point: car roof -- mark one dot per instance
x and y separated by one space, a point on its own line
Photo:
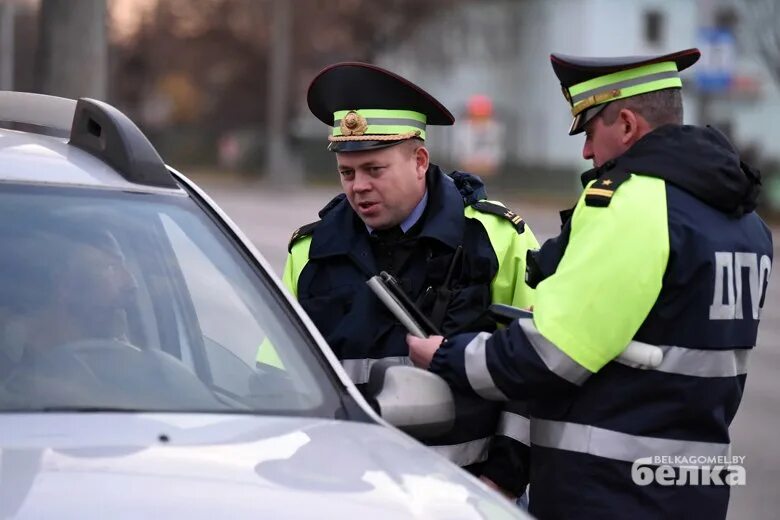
27 157
103 147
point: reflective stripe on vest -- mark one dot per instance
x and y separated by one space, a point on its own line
611 444
515 427
556 360
358 370
465 453
477 370
676 360
704 363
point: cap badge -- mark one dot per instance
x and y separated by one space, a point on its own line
566 94
353 124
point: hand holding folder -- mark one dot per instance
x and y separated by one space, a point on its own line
636 354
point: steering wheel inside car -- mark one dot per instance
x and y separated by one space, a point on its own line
110 373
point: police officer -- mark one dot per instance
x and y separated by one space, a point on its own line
452 253
662 248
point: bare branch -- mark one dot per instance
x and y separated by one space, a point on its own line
763 24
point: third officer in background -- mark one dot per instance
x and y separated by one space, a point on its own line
663 248
452 253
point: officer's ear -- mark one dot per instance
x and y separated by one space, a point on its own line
422 159
632 126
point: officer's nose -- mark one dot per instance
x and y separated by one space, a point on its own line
587 150
362 183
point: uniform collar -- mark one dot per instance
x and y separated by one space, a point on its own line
342 232
444 219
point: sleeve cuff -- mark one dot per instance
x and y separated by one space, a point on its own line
449 362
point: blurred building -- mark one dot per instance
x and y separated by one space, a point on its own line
501 48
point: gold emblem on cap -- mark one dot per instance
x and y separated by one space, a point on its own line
353 124
566 94
597 99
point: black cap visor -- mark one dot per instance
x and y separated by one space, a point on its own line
581 119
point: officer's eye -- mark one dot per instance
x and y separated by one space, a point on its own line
345 173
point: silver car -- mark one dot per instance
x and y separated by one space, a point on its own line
151 365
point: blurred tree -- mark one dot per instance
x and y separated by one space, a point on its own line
72 54
25 47
278 164
7 12
224 49
763 23
216 47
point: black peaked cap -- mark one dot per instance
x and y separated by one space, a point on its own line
572 70
355 85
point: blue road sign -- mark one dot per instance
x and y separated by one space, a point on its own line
715 70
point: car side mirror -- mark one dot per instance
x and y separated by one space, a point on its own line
411 399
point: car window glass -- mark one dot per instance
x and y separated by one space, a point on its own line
123 300
217 302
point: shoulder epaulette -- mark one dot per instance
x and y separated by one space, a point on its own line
301 232
500 211
600 193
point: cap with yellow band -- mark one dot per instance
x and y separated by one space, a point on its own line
368 107
373 123
589 84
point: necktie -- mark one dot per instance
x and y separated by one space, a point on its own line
388 236
383 244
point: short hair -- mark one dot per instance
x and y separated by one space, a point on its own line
411 145
660 107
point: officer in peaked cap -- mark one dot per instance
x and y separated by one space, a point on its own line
451 251
370 108
647 261
589 84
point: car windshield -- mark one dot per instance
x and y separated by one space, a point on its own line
136 301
